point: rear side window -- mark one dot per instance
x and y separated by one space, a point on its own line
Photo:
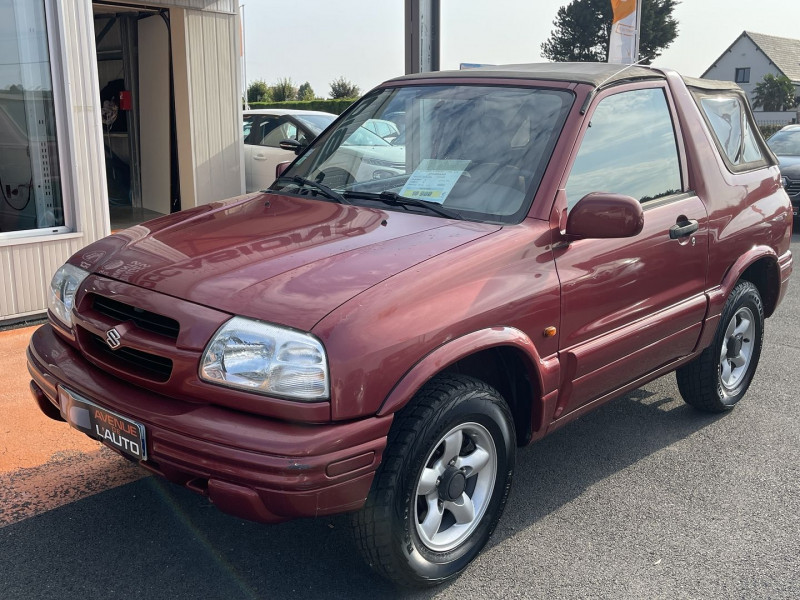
729 124
629 148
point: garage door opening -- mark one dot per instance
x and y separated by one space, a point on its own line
136 95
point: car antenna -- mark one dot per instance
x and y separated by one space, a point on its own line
592 94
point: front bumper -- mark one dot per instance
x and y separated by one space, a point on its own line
248 465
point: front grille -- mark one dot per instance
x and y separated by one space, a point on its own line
379 162
144 364
144 319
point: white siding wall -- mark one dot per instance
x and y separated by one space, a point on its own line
220 6
26 269
210 55
27 264
744 53
213 106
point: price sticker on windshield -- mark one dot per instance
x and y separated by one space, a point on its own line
434 179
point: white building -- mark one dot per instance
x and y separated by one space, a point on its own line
752 56
110 113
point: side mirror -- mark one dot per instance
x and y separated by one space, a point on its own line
281 167
292 145
605 215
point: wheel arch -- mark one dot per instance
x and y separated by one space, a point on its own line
760 267
502 357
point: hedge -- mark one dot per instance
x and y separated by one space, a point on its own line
336 107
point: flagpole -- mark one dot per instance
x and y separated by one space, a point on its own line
244 57
639 9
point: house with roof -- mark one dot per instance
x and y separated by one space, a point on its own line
752 56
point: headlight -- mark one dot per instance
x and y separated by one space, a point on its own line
263 358
785 182
63 288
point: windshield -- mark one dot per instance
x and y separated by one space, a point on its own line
316 123
364 137
479 151
785 143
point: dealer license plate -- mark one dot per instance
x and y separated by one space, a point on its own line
116 431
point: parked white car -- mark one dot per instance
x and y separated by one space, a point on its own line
265 129
365 155
383 128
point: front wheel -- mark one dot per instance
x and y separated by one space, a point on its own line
717 379
442 485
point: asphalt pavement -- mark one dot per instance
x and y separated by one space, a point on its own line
643 498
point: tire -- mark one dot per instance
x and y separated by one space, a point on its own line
427 517
717 379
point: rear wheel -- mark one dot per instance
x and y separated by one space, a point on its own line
717 379
442 485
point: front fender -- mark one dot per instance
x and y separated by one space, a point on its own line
546 372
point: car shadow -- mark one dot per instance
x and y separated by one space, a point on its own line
153 539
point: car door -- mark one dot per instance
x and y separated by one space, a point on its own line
255 126
267 153
632 305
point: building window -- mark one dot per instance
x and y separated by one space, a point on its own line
743 75
30 185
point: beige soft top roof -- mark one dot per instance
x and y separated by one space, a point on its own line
595 74
710 84
591 73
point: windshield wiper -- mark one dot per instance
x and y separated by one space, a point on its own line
395 199
318 186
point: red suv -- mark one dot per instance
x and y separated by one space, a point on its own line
378 334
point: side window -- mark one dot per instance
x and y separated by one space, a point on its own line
284 130
730 126
247 126
629 148
259 126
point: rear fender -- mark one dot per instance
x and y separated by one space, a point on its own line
717 296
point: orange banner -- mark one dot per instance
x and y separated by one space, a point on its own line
622 8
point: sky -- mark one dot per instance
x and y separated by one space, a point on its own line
363 40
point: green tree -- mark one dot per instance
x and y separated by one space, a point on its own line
774 93
305 92
258 91
583 28
342 88
284 90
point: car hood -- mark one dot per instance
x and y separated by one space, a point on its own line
282 259
790 166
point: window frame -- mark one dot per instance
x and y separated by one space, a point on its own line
64 129
676 130
282 120
767 157
745 75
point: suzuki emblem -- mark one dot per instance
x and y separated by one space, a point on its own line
113 338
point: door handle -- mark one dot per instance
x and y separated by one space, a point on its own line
682 229
260 156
